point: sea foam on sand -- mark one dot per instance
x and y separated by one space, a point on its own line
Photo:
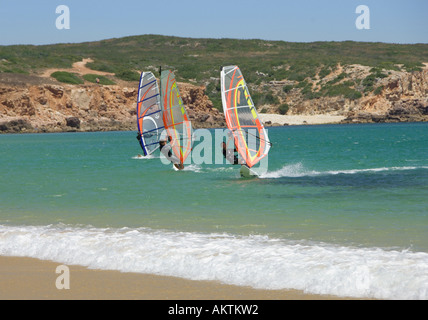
256 261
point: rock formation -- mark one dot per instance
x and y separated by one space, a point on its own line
29 103
33 107
402 97
396 96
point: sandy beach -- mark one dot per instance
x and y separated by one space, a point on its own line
300 119
33 279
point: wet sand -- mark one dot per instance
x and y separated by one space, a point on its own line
33 279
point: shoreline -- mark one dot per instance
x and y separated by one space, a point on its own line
17 125
23 278
277 119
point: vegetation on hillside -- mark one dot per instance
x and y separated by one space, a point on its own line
67 77
98 79
198 61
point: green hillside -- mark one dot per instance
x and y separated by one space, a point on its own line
199 60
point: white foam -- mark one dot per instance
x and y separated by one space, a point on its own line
297 170
292 170
354 171
192 167
148 157
256 261
221 169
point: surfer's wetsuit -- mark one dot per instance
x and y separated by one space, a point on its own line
167 152
230 156
140 140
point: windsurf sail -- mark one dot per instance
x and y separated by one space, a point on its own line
149 113
242 119
175 118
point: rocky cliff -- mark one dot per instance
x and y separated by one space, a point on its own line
28 104
358 93
400 97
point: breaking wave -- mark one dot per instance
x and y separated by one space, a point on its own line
297 170
256 261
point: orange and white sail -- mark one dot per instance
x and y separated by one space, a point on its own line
242 119
175 118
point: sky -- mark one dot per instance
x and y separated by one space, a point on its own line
392 21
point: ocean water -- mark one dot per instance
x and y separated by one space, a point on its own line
342 209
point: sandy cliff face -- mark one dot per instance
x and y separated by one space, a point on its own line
403 97
35 104
59 107
396 97
200 108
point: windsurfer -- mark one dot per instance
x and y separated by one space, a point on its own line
140 140
167 152
230 155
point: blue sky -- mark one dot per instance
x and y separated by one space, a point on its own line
393 21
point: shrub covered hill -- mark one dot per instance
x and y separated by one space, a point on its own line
364 82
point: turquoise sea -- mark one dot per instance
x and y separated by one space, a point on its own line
342 209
